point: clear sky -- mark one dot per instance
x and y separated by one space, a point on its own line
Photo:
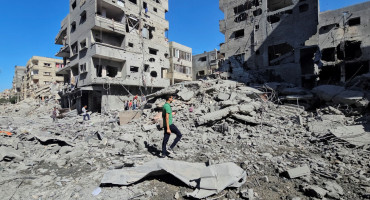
29 28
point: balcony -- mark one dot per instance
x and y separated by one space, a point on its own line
64 52
109 24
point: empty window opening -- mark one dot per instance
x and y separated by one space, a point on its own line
273 5
99 70
111 71
241 17
146 68
132 23
83 68
145 5
273 19
74 5
153 74
201 73
330 74
166 55
74 48
303 7
257 12
73 27
113 13
239 34
328 54
257 27
83 44
47 64
202 59
34 72
110 38
152 60
327 28
258 52
47 73
354 21
130 44
153 51
281 53
155 9
349 51
356 69
248 5
83 17
134 69
133 1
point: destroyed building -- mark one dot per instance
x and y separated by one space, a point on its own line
40 72
112 49
180 62
344 43
269 36
206 63
292 41
19 72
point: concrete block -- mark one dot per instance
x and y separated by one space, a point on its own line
127 116
315 191
299 171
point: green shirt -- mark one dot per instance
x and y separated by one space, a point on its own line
166 109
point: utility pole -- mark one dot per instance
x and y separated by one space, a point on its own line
343 49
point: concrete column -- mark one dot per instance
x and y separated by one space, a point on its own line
104 71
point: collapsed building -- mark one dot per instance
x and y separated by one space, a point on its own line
112 49
291 41
40 73
19 72
206 63
344 44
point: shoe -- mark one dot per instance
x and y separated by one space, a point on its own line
171 151
163 156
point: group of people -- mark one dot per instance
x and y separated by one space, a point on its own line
135 103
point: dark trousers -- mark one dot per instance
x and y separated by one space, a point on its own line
88 117
166 136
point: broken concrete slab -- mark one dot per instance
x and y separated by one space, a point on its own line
147 128
298 172
351 97
186 94
327 92
315 191
223 96
208 180
355 135
127 116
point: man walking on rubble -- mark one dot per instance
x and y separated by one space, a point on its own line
85 114
169 127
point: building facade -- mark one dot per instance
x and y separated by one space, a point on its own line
19 72
206 63
344 43
40 71
180 63
271 36
111 49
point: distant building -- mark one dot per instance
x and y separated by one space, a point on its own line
40 71
113 49
19 72
180 63
206 63
5 94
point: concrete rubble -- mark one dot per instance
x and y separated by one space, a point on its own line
324 150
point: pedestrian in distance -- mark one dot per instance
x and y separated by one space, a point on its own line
54 114
85 114
169 128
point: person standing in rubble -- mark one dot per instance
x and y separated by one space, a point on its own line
54 114
85 114
135 104
169 127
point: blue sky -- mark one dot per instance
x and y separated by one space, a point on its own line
29 28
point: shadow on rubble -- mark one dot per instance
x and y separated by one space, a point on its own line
152 149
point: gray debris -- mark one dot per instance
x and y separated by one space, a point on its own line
299 171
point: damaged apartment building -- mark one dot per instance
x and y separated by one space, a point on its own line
40 72
292 41
344 43
112 49
180 63
19 72
206 63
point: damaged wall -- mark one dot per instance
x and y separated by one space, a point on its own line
267 36
344 43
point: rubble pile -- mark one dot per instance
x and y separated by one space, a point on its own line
285 151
